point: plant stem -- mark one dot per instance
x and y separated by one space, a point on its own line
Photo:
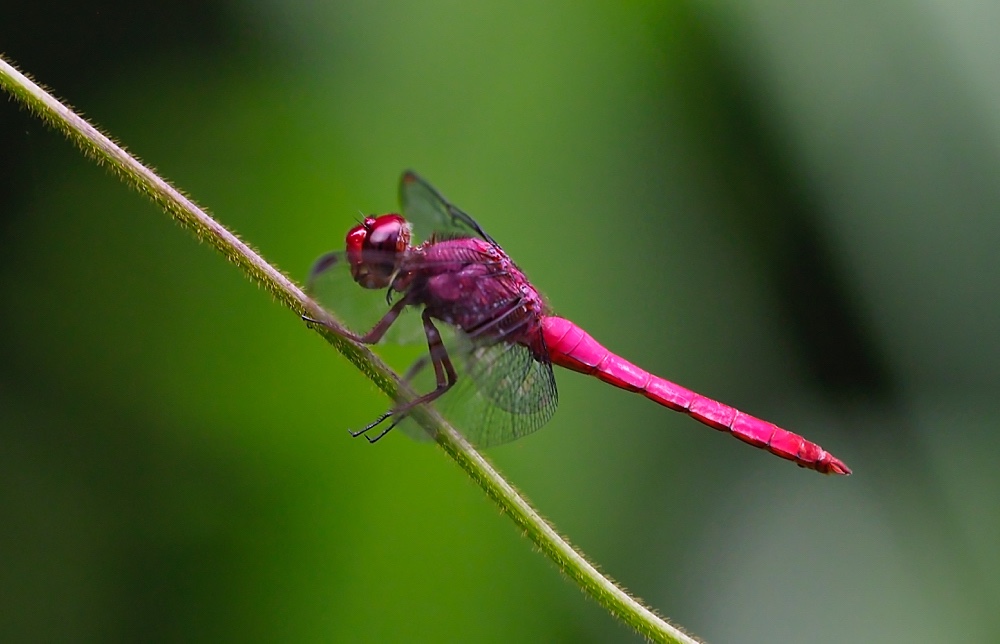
104 151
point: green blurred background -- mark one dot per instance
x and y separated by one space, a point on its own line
793 209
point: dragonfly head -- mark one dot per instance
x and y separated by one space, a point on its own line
375 248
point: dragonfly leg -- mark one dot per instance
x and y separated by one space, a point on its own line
370 425
411 373
378 420
392 412
377 331
440 361
444 373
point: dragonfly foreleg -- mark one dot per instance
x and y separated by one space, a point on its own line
399 418
444 373
371 425
377 331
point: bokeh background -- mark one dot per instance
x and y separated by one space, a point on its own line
794 209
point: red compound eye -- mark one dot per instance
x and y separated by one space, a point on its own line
375 247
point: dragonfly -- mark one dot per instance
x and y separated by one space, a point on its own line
496 364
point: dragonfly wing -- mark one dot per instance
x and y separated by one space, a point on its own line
503 393
432 214
330 283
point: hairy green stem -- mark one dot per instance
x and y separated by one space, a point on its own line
104 151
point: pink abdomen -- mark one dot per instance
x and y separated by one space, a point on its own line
573 348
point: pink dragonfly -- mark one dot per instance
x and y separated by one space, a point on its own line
498 364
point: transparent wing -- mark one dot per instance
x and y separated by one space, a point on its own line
503 392
430 213
518 393
330 283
